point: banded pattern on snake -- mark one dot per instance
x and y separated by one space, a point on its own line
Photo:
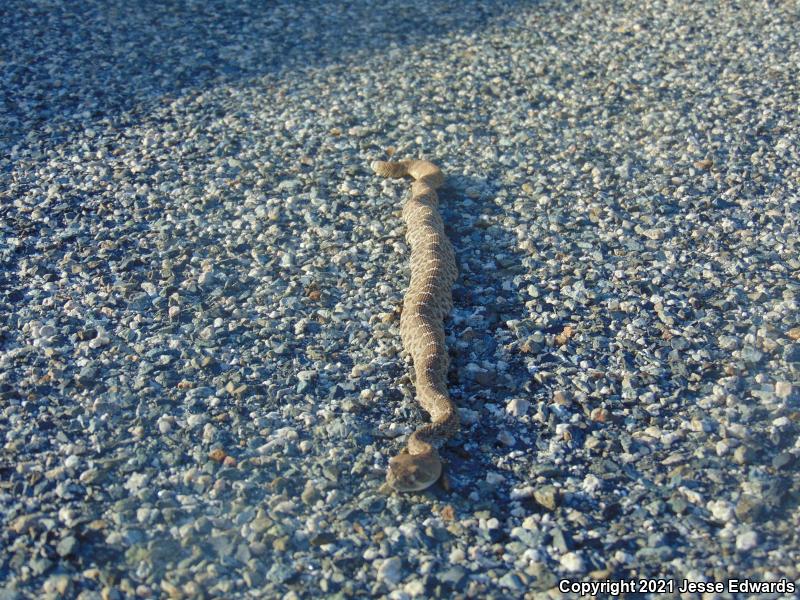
427 302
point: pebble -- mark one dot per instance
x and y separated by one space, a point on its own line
194 421
391 570
572 562
453 575
505 438
494 479
517 407
721 510
591 484
57 584
513 582
783 460
744 455
66 546
165 424
746 541
547 496
749 508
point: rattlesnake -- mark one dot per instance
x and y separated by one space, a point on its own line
426 303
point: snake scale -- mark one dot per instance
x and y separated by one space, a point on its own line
427 301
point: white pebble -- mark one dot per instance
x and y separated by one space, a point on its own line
457 555
572 561
196 420
370 553
164 424
390 570
522 492
493 478
517 407
721 510
415 587
591 483
46 331
691 495
208 432
746 541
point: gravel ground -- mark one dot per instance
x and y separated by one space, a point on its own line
201 377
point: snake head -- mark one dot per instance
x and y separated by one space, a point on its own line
413 472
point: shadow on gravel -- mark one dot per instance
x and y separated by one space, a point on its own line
66 64
486 296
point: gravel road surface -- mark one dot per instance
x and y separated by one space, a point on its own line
201 376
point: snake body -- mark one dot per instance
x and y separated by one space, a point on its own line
426 303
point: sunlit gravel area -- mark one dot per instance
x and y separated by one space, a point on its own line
201 372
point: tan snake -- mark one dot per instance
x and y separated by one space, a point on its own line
426 303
